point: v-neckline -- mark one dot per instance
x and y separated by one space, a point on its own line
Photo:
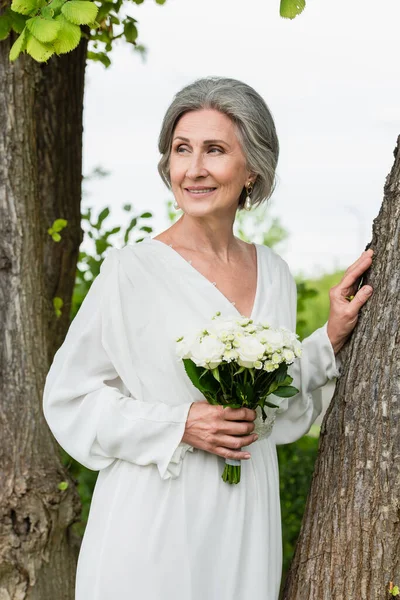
210 283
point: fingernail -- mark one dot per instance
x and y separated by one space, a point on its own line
368 291
247 455
255 436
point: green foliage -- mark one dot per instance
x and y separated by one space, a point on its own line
48 27
63 485
58 303
313 302
289 9
52 26
54 230
296 465
258 226
394 590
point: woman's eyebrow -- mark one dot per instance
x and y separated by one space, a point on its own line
206 142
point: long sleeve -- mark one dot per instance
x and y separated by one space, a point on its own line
92 408
316 366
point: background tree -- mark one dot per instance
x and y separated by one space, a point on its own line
41 109
350 537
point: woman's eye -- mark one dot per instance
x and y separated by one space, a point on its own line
214 150
181 149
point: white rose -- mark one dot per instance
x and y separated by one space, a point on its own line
250 350
184 346
208 352
274 339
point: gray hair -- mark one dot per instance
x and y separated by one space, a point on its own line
253 120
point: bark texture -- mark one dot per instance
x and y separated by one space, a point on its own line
349 544
40 181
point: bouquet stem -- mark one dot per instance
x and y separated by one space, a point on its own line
231 472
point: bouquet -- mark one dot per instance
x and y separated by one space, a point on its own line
236 362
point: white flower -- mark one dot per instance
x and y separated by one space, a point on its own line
276 358
269 366
184 345
207 352
297 348
274 339
258 364
230 355
250 350
288 355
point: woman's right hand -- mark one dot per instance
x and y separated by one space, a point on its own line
219 430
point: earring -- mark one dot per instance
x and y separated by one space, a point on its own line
176 205
247 202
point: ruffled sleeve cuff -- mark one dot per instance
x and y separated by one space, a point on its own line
171 466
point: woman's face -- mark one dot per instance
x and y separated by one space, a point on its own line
207 165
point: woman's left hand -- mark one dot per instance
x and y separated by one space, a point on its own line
343 312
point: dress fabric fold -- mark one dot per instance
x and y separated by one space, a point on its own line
162 524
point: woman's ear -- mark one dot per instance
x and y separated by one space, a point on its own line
252 177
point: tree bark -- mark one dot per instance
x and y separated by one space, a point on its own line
40 180
349 544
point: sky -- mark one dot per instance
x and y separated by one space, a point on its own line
331 78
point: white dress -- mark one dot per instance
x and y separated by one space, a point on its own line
163 525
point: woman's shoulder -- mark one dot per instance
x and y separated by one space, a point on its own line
135 260
274 260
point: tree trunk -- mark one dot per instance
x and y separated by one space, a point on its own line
349 544
40 181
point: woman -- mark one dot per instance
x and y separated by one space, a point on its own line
163 525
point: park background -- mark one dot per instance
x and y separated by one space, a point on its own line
331 81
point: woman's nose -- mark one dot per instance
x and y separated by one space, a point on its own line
196 167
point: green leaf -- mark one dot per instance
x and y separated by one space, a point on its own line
100 57
56 237
38 50
101 246
68 37
17 21
127 207
286 391
80 12
44 30
146 229
130 32
104 10
240 370
5 26
63 485
58 303
160 1
146 215
59 225
289 9
102 216
24 7
18 46
131 225
112 231
216 374
56 6
193 372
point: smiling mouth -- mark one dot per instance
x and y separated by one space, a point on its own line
200 191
